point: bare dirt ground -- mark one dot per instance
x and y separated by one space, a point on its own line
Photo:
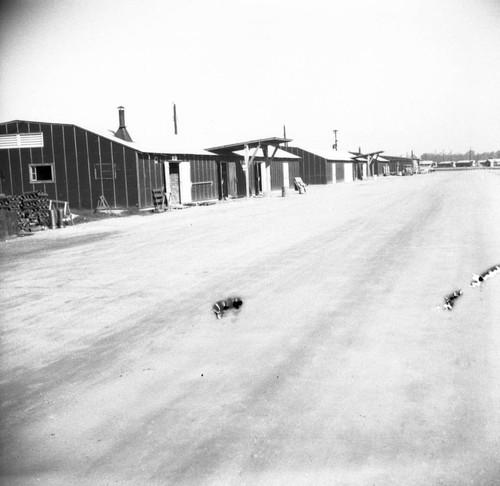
338 370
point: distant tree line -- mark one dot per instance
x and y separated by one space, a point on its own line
471 155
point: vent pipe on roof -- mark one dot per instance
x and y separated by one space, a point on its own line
175 120
122 131
336 144
121 117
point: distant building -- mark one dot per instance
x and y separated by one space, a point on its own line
491 162
425 166
446 164
465 163
328 167
398 164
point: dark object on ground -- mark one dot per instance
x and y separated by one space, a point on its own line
8 223
449 300
477 280
221 306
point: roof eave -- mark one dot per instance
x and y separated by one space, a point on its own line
229 148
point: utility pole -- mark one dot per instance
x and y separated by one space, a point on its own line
175 120
335 145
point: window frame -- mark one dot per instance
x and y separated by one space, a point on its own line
34 175
105 171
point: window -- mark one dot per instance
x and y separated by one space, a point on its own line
104 171
41 173
21 140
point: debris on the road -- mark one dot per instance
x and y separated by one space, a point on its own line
477 280
223 305
449 300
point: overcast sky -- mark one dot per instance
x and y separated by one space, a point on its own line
393 75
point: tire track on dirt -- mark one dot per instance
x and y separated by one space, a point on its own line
300 354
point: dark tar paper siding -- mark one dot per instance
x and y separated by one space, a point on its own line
315 169
204 177
85 166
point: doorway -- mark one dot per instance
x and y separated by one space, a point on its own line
175 187
228 180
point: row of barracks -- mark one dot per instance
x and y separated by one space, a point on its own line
79 165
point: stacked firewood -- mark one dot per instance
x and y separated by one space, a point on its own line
32 210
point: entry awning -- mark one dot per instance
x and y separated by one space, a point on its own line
230 148
279 155
364 159
266 147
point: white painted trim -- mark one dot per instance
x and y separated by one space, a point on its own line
286 175
348 168
21 140
185 182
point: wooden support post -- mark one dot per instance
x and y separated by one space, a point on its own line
250 163
246 168
264 173
168 188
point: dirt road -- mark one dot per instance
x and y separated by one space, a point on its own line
338 370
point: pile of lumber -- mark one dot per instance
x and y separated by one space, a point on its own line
32 210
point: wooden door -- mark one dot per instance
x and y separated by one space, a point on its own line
175 187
